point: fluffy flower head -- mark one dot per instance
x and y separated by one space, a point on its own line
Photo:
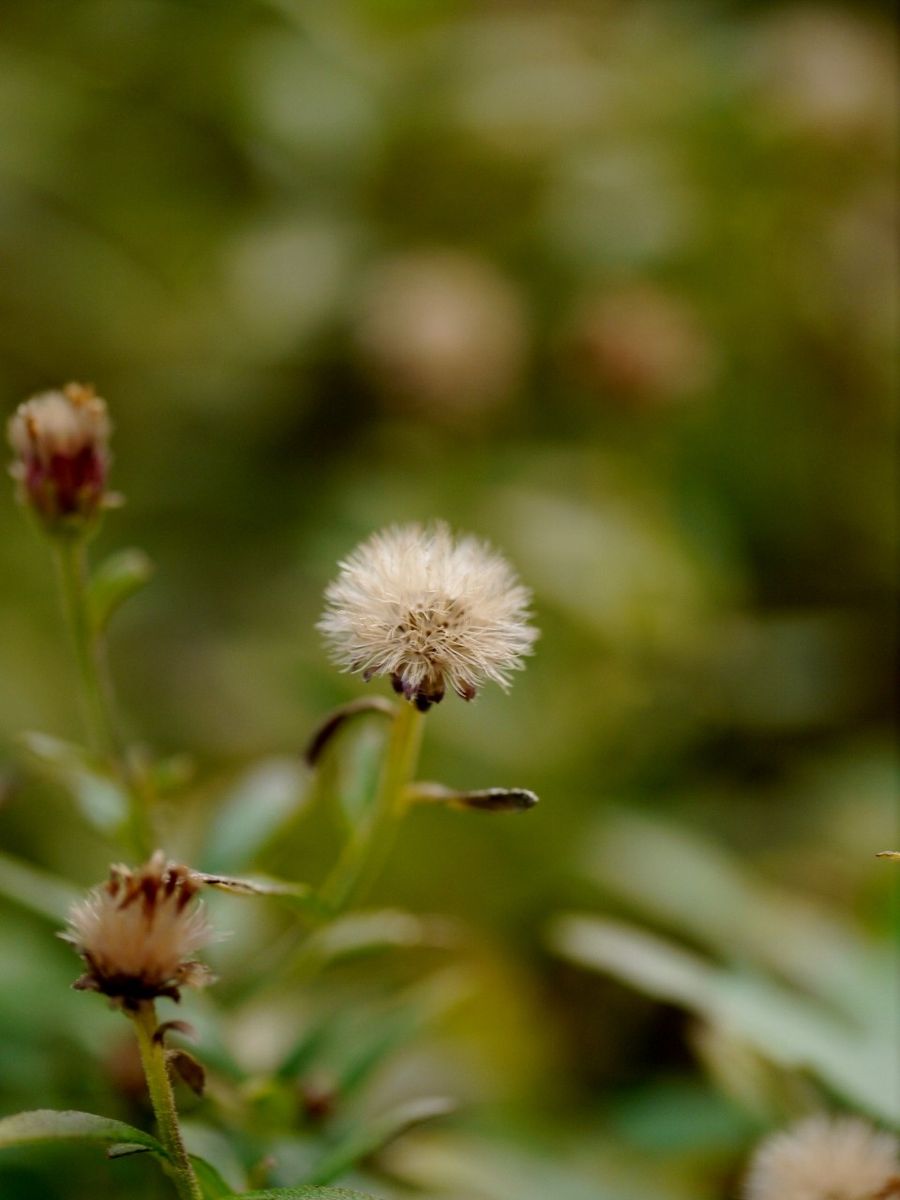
825 1158
430 611
61 445
137 931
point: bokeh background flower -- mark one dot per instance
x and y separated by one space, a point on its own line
614 286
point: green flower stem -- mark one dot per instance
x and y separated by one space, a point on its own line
365 853
96 687
156 1072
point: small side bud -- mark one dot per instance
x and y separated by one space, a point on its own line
188 1068
336 721
60 442
497 800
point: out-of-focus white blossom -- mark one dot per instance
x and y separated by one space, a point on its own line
825 1158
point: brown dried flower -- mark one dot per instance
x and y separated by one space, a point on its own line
137 931
61 445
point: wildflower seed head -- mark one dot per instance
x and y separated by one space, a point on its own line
60 441
137 932
430 611
825 1158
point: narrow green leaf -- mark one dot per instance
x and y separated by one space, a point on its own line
304 1193
48 1125
119 577
98 796
296 895
787 1027
364 1140
213 1185
254 806
36 890
363 933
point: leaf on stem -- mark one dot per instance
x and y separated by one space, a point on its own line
190 1069
36 890
335 722
255 804
370 932
114 581
99 797
362 1141
50 1125
297 895
304 1193
497 800
211 1182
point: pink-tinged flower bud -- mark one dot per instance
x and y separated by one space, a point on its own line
137 931
61 445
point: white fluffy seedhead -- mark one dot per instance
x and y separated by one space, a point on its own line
430 611
137 931
825 1158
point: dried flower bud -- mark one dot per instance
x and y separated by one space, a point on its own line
430 612
136 933
61 443
825 1158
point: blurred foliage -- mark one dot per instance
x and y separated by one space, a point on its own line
614 285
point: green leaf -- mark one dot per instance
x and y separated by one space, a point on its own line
363 1140
213 1185
363 933
99 797
119 577
789 1028
299 896
304 1193
256 804
48 1125
36 890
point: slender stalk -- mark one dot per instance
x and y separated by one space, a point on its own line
156 1072
96 688
365 854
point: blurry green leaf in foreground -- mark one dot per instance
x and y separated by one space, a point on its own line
36 890
46 1125
691 885
96 793
788 1027
365 1139
253 807
305 1193
213 1185
120 576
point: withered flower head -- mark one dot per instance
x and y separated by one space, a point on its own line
137 931
430 611
61 445
825 1158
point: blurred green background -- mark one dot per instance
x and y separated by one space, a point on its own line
613 285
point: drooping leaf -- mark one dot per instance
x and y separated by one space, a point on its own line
211 1182
299 896
49 1125
98 795
120 576
365 1139
305 1193
365 933
255 805
337 721
791 1029
36 890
